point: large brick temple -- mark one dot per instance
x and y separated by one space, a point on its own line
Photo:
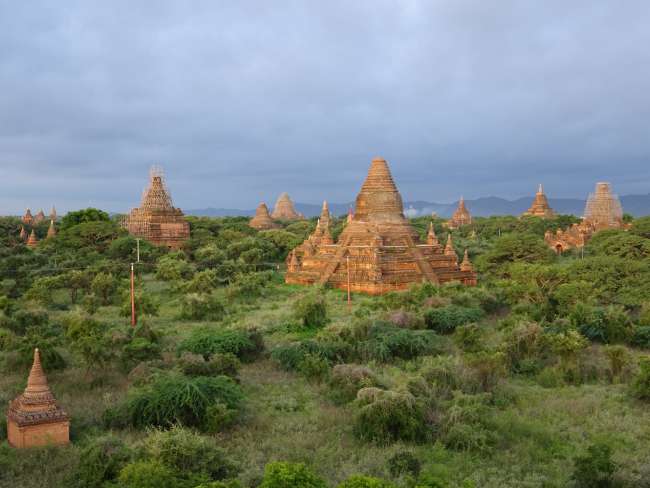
378 247
156 219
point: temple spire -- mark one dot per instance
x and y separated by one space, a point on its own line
540 190
432 239
23 233
51 231
37 381
32 241
466 265
449 247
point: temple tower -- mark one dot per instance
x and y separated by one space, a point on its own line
603 209
262 219
28 218
460 217
540 206
32 241
35 418
51 231
285 210
39 217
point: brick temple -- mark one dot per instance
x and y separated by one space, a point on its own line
540 206
285 210
378 247
460 217
262 219
156 219
602 211
35 418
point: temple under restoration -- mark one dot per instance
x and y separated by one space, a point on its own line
35 418
378 249
156 219
603 211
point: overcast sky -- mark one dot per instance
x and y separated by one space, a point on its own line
239 101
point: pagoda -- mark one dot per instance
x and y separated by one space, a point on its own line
51 231
157 220
28 218
540 206
32 241
53 213
39 217
460 217
284 209
378 250
602 211
23 233
34 418
262 219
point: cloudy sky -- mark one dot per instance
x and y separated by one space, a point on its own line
239 100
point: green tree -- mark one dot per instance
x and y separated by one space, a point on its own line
595 468
290 475
86 215
88 338
104 286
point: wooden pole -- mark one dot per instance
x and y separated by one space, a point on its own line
132 297
347 259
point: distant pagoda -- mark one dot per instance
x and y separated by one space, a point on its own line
35 418
460 217
51 230
39 217
262 219
28 218
540 206
157 220
32 240
378 248
602 211
285 210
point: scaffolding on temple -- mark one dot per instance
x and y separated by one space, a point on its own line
603 209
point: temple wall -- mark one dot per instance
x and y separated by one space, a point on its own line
57 433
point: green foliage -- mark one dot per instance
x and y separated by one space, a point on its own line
104 285
311 311
100 461
148 474
175 399
606 325
89 339
404 463
359 481
80 216
206 341
347 379
291 356
594 468
444 320
385 416
619 243
218 364
202 306
641 227
249 286
512 248
386 343
641 337
173 267
640 386
145 304
464 426
290 475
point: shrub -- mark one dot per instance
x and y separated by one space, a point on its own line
606 325
290 356
444 320
446 373
524 347
347 379
173 267
311 311
464 428
487 369
386 343
314 367
7 340
249 286
385 416
195 365
358 481
202 306
100 461
148 474
22 319
618 358
187 452
641 337
174 399
404 463
595 468
244 344
469 337
290 475
640 387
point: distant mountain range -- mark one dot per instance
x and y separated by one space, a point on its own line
636 205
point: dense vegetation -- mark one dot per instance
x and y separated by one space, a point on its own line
540 376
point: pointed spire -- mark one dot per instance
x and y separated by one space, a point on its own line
262 219
23 233
28 218
53 213
326 239
51 231
37 381
449 247
32 241
466 265
432 239
350 215
540 190
461 215
379 200
293 262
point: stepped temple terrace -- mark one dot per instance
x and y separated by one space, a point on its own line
378 249
262 219
34 418
157 220
460 217
603 211
540 206
284 209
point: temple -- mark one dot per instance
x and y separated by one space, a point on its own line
51 230
284 209
28 218
262 219
32 240
378 251
34 418
157 220
603 211
540 206
460 217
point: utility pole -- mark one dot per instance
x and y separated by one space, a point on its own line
132 297
137 243
347 259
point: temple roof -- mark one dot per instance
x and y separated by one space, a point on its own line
262 219
379 200
156 196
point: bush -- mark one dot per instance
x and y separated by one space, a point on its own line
189 453
202 306
195 365
100 461
524 348
148 474
469 337
291 356
444 320
347 379
311 311
244 344
595 468
358 481
404 463
385 416
640 337
464 428
640 387
386 343
174 399
314 367
605 325
290 475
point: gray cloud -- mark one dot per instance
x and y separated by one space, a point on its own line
240 101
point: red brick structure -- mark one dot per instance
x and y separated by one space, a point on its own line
378 249
284 209
32 241
34 418
460 217
262 219
540 206
157 220
51 231
28 218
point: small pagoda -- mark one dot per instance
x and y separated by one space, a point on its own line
285 210
39 217
156 219
51 230
378 250
262 219
460 217
28 218
35 418
32 240
602 211
540 206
